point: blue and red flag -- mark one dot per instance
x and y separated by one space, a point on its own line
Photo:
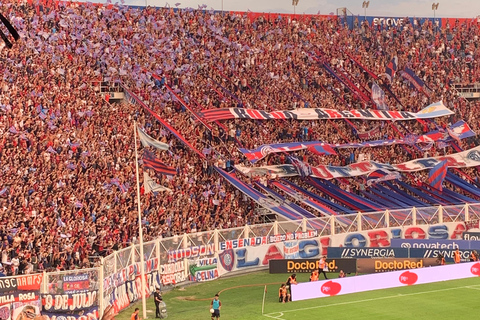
303 169
391 69
321 149
382 175
437 175
151 162
415 81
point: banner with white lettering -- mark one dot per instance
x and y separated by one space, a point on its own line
437 109
124 287
203 250
76 283
172 273
248 257
83 305
20 289
203 269
382 238
464 159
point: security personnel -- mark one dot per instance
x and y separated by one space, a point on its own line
314 276
322 265
158 298
283 295
456 256
291 280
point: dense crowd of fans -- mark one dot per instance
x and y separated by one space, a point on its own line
67 187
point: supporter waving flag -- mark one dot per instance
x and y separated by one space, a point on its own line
152 162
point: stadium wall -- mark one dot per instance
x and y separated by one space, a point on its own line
205 256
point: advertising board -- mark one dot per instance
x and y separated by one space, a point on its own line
436 244
308 265
385 280
472 236
392 264
342 252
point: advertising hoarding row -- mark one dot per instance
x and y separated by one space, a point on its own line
309 265
376 253
349 265
376 281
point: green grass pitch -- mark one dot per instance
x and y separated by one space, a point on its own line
242 296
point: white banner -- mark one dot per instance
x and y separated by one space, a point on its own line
468 158
437 109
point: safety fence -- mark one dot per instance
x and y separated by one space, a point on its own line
203 256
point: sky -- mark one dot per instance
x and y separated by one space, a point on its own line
382 8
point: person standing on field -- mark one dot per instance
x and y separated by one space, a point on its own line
158 298
216 305
322 266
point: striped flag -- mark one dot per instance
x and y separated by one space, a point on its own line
303 169
321 149
391 69
151 162
437 175
415 81
382 175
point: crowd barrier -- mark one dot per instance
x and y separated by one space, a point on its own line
203 256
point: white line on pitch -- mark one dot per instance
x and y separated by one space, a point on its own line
471 287
359 301
277 317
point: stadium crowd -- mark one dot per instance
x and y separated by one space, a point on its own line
67 188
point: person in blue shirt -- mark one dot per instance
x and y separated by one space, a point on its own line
216 305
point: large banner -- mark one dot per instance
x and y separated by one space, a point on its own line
76 306
124 287
203 269
172 273
382 238
20 289
259 256
19 293
437 109
460 129
464 159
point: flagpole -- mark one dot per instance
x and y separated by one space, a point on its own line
140 229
